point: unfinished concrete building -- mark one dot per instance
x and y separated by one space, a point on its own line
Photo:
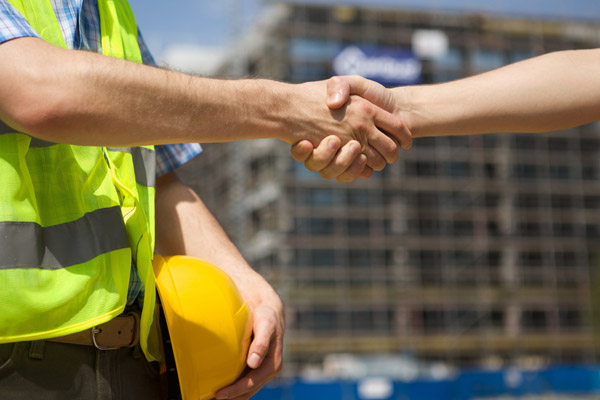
479 250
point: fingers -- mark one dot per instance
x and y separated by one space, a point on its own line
374 159
355 170
264 357
392 126
344 160
380 133
366 173
377 102
250 383
325 152
302 150
345 164
253 379
364 117
382 149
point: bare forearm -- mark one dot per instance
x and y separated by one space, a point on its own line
96 100
550 92
184 226
79 98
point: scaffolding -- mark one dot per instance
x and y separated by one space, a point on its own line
474 250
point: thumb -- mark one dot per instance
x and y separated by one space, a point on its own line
338 92
340 88
264 327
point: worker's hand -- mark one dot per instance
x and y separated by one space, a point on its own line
378 133
343 160
340 88
188 227
345 164
266 350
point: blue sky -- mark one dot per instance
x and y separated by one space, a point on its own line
201 22
214 23
584 9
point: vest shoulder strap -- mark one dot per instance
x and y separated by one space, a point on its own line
40 15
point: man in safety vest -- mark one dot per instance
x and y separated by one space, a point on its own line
79 197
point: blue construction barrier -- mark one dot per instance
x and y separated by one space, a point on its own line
466 385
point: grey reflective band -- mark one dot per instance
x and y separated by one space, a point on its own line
29 245
35 142
5 128
144 164
144 160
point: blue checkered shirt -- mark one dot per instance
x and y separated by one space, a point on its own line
79 22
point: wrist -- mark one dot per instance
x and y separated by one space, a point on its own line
415 110
256 291
283 107
268 108
253 108
298 112
405 109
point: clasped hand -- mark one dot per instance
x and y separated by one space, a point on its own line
370 133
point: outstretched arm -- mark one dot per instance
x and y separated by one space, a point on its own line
186 227
84 98
546 93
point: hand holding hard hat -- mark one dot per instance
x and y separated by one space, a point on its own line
209 322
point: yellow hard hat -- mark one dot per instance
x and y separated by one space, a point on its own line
209 322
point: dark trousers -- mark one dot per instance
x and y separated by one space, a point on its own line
52 371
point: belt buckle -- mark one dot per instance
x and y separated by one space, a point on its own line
95 331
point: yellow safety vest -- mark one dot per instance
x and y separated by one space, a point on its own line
74 218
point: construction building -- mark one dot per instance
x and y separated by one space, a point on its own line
473 250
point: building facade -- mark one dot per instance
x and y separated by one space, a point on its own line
472 250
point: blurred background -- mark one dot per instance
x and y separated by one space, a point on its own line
468 269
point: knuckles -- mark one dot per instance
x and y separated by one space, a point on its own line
334 82
393 156
346 178
390 150
378 165
309 166
327 175
366 108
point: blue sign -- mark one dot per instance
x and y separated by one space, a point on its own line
386 66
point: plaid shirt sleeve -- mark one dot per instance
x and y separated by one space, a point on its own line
12 24
168 157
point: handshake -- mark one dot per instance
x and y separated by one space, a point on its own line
368 130
541 94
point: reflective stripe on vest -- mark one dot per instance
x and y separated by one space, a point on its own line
5 128
62 245
144 158
35 142
144 164
73 218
